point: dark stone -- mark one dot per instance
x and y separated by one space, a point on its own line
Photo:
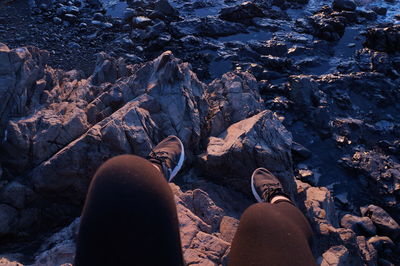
327 27
380 10
368 14
270 47
57 20
70 18
165 8
360 225
300 152
242 13
348 5
141 22
208 26
384 222
384 39
98 16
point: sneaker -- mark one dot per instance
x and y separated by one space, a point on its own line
168 155
265 186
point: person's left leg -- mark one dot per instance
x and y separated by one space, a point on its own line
129 217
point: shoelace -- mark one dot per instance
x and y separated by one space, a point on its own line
158 156
160 159
270 189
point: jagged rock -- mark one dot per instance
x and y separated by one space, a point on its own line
6 262
129 130
77 123
199 246
320 209
382 11
276 63
62 254
172 105
108 69
382 173
360 225
19 70
206 209
243 13
336 255
32 140
270 47
260 140
208 26
367 250
228 228
348 5
381 243
370 60
320 206
141 22
303 91
165 8
205 249
231 99
308 175
368 14
327 27
60 247
310 95
384 222
385 39
300 152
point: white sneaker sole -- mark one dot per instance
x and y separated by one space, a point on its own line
180 162
253 188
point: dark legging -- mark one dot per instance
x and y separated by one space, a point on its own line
130 218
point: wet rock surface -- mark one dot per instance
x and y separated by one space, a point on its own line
309 91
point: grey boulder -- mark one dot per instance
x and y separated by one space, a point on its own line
258 141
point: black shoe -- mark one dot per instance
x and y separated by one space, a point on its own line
265 186
169 155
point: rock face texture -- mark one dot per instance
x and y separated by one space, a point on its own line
384 39
258 140
199 219
58 127
20 69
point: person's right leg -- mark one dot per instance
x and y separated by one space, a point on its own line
272 232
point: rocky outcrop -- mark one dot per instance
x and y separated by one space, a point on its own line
360 225
348 5
382 173
19 70
384 39
71 125
231 99
258 140
208 26
243 13
199 220
385 224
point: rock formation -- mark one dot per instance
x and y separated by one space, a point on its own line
312 95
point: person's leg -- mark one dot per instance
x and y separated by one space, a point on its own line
272 234
129 217
274 231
